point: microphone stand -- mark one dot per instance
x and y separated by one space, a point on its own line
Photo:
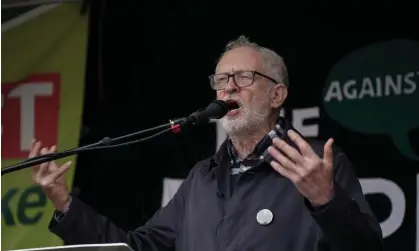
215 110
106 142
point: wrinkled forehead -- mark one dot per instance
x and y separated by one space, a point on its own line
237 59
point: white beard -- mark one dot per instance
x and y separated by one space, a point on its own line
249 119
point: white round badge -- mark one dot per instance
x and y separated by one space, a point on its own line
264 217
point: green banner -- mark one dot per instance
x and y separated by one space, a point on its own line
373 90
43 68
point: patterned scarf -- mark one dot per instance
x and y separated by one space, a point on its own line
260 153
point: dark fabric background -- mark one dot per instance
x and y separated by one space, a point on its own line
148 62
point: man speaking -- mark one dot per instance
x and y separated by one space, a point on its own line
266 188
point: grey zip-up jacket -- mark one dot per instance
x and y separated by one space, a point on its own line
202 216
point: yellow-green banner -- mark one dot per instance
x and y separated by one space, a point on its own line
43 66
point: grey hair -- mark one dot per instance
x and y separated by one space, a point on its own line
273 63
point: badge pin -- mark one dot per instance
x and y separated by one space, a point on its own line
264 217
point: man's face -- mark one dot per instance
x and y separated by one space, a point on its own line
254 100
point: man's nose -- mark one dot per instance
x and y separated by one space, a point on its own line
231 85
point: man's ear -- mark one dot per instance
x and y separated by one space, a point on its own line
278 95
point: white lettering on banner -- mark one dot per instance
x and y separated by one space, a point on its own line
373 87
170 187
221 134
300 115
397 199
27 93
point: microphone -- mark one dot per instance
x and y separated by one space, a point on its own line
215 110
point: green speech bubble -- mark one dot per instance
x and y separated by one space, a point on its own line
374 90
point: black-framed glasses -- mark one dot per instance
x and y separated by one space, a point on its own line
241 78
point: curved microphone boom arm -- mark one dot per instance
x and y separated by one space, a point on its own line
215 110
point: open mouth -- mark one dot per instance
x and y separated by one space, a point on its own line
233 107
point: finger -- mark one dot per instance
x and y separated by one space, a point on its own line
43 168
328 151
52 149
304 147
35 149
32 146
290 151
284 161
35 146
58 173
52 166
284 171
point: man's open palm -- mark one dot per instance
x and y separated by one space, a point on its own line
50 177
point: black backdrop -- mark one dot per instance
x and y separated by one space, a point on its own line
148 62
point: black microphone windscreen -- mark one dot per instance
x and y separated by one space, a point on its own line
217 109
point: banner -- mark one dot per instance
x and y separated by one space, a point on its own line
43 65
